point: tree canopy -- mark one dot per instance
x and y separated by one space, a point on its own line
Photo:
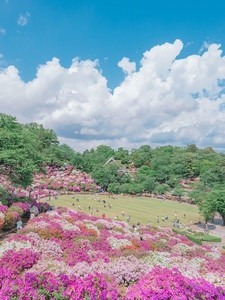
24 149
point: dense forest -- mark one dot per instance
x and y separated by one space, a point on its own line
27 148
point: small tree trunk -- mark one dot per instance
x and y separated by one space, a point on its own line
206 227
223 218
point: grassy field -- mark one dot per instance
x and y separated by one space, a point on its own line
140 209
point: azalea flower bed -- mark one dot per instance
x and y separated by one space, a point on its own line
64 254
10 215
54 181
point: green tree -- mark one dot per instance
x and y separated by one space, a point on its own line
178 191
149 184
216 200
161 189
141 156
122 155
18 155
4 195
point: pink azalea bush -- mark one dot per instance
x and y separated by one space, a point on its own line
23 205
17 209
53 181
64 254
3 209
161 284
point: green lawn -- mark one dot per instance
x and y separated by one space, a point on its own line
140 209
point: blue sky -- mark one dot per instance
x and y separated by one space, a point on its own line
33 32
105 30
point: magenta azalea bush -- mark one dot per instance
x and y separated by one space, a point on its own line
64 254
161 284
3 208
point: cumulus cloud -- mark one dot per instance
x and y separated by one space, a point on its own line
127 66
23 19
168 100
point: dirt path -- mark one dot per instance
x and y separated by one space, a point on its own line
6 234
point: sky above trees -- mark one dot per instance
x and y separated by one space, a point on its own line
125 74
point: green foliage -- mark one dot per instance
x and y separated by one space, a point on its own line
4 195
114 188
25 148
178 191
105 175
122 155
197 237
149 184
215 201
141 156
161 189
193 238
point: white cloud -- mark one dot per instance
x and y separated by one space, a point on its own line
166 101
127 66
23 19
205 45
2 31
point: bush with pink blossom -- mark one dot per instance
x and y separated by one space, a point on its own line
68 255
10 219
3 208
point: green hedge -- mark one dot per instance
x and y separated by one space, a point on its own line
197 237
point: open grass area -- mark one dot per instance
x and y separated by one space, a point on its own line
140 209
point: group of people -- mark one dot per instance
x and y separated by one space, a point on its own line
164 219
90 207
175 221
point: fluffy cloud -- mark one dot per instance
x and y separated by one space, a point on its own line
127 66
23 19
166 101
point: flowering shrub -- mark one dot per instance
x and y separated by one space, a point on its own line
163 284
3 208
10 219
17 209
64 254
1 221
23 205
53 181
18 261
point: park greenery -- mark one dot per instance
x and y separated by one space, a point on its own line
197 237
26 149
